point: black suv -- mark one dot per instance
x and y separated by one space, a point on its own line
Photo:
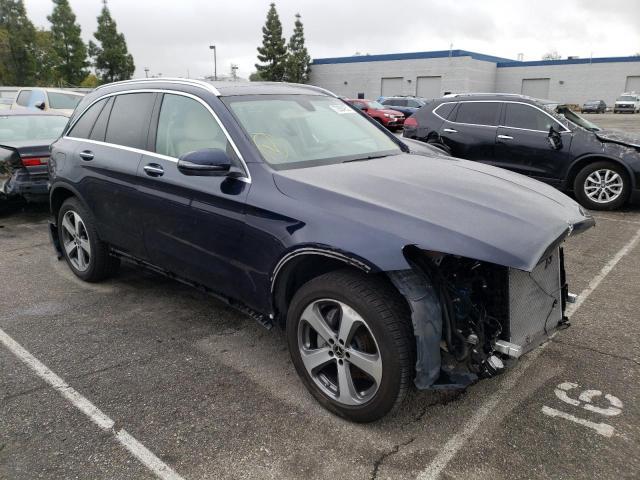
537 138
296 208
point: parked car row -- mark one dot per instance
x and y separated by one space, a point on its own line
537 138
387 264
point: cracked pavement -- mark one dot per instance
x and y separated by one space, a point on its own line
214 395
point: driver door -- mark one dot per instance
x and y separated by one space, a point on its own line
193 225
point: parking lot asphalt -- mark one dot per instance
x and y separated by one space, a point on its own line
214 395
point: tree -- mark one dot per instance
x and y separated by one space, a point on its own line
273 52
47 60
112 60
554 55
90 81
298 59
18 46
67 44
256 77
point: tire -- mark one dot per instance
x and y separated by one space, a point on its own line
586 183
381 328
87 256
443 147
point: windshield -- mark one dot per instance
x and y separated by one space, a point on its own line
63 101
31 127
576 119
294 131
627 98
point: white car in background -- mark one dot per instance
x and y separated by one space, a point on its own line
48 99
627 102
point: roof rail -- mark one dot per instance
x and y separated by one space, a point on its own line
492 94
184 81
311 87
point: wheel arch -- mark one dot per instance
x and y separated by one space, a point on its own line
301 265
59 193
585 160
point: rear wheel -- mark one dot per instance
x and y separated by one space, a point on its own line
602 186
351 342
87 256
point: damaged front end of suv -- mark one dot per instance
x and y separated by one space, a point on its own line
471 317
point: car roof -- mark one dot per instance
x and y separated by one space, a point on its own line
55 90
221 89
495 96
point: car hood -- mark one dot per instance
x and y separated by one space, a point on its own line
622 138
443 204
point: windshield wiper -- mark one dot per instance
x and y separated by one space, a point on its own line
368 157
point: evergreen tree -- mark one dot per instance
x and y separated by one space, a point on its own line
298 60
67 43
19 44
112 60
47 61
273 52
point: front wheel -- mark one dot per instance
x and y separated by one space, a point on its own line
351 342
602 186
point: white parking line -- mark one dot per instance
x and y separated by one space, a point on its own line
144 455
458 441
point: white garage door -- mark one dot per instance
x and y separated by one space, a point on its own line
535 87
429 87
633 84
391 87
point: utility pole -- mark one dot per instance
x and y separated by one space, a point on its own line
146 72
215 62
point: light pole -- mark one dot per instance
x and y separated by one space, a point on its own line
146 72
215 62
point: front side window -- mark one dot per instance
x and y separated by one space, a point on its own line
129 120
63 101
478 113
294 131
185 125
520 115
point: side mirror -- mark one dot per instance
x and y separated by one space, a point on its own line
40 105
208 162
555 139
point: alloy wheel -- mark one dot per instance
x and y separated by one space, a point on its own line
603 185
339 352
75 240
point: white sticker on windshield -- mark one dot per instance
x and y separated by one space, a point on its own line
341 108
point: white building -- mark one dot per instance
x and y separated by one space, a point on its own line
432 74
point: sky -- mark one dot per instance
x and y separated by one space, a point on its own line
173 37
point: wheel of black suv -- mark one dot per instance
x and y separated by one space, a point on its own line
602 186
351 342
86 255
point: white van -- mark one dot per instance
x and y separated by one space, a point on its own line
627 102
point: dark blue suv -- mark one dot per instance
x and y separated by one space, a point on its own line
386 264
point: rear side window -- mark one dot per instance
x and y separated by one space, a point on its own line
413 104
185 125
444 110
519 115
478 113
129 120
23 98
83 126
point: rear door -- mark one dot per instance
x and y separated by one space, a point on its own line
109 149
470 131
522 143
193 225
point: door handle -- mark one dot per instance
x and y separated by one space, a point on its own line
153 170
450 130
86 155
505 137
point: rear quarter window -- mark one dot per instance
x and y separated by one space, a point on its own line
83 126
444 110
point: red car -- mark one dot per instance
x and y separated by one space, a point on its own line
392 119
